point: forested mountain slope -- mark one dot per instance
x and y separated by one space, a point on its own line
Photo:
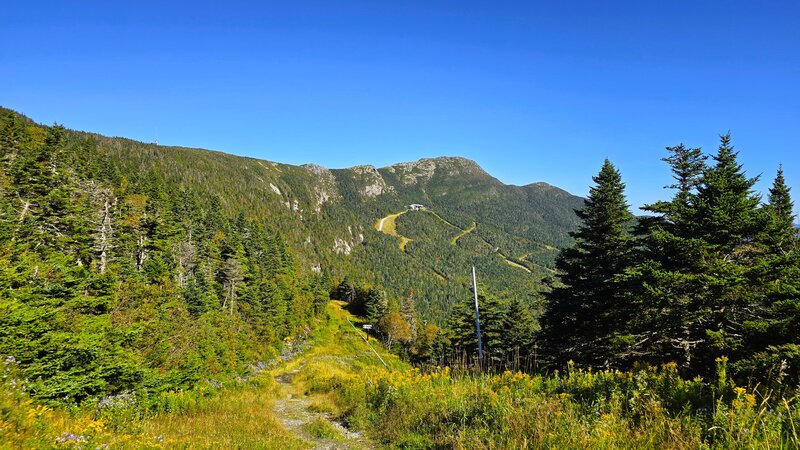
329 217
125 284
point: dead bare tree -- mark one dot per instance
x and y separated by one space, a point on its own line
232 273
104 230
185 254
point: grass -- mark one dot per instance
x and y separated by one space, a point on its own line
388 225
323 429
408 408
463 233
240 417
516 264
646 408
341 347
234 419
602 410
430 211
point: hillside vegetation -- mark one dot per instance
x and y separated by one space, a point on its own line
350 400
157 297
714 273
247 414
327 216
127 287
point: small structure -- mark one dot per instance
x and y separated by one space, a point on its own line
415 207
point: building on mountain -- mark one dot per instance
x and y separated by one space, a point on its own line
415 207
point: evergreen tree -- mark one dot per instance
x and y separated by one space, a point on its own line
321 294
108 284
666 286
693 295
345 292
727 220
725 209
587 314
687 165
375 304
493 323
520 330
780 234
771 350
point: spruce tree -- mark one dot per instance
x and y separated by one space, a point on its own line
693 294
375 304
687 165
589 311
780 234
725 207
493 326
520 330
727 220
79 315
664 278
771 351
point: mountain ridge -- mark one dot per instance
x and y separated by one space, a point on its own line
310 165
327 215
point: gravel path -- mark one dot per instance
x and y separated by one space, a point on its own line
293 408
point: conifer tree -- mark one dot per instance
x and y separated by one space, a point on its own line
587 312
693 296
780 234
687 165
493 326
727 220
771 350
108 284
345 291
725 209
520 331
321 292
664 279
375 304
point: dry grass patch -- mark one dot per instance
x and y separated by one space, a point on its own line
243 419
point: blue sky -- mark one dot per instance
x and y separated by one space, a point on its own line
533 91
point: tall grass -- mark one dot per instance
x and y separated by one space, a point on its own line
408 408
650 407
240 417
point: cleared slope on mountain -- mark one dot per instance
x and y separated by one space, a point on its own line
387 225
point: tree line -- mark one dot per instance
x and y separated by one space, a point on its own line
115 282
711 273
508 327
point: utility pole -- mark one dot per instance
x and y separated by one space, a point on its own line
477 315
